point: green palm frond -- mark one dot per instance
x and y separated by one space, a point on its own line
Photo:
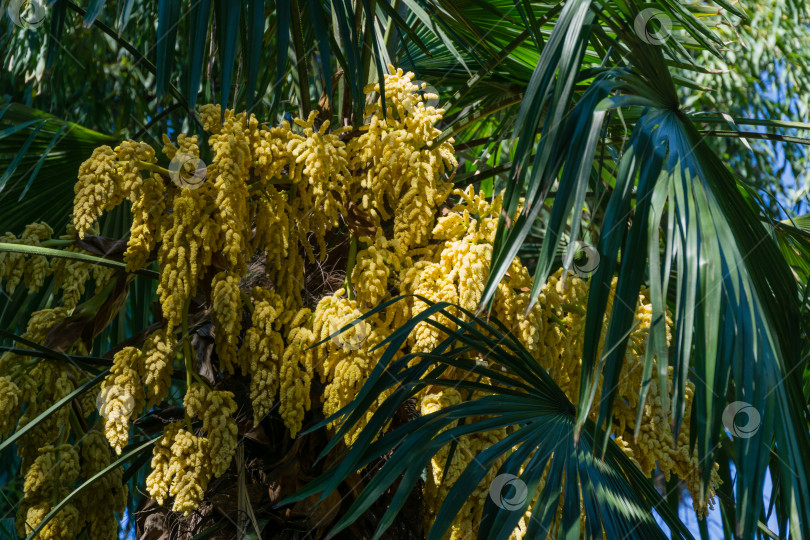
542 446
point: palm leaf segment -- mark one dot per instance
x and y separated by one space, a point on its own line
736 318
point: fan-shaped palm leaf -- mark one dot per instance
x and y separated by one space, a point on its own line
542 449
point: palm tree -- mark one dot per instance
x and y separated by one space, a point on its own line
598 120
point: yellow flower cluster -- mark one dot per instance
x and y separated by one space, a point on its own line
149 204
214 408
392 170
373 269
455 268
266 190
65 524
232 161
32 270
49 463
399 161
181 468
136 376
345 361
98 189
121 395
54 468
15 267
10 405
296 375
71 276
262 350
101 520
184 253
41 383
226 313
319 158
157 356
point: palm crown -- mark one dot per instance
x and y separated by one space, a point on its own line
600 124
